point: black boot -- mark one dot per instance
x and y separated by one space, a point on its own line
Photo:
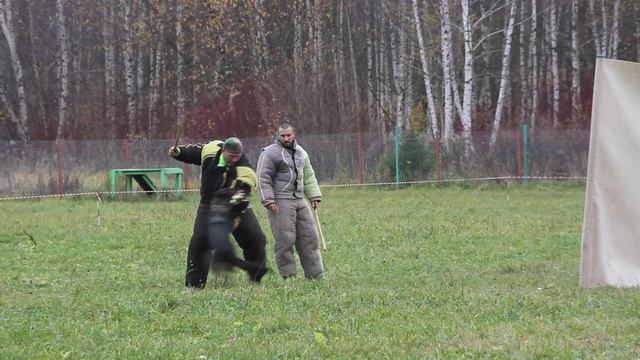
257 274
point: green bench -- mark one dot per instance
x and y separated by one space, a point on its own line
141 176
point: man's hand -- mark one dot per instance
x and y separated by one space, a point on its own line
314 203
174 152
273 207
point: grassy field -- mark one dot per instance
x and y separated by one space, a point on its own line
482 272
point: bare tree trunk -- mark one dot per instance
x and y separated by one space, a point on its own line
36 67
356 90
142 70
369 24
297 58
504 77
599 37
261 58
108 43
447 85
181 73
63 55
524 80
398 52
555 71
383 63
467 97
636 8
19 119
154 91
576 105
316 33
339 62
426 73
533 65
129 66
615 32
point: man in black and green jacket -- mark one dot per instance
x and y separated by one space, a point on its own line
227 181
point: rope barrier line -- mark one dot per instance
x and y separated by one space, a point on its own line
417 182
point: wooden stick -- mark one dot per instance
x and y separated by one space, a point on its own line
179 133
324 243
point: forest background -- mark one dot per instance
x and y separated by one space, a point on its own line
124 69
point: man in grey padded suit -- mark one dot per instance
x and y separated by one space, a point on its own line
285 180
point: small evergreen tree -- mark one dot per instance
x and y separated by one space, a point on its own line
417 160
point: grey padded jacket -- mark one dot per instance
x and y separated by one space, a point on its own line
286 174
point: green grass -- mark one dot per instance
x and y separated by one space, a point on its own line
420 272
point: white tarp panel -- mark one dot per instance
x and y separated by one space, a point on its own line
611 231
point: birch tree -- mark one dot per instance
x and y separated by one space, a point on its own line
20 118
181 68
297 58
636 13
524 79
467 96
354 73
555 71
154 86
339 60
398 53
35 64
447 74
63 71
576 106
129 67
504 76
533 65
426 72
108 43
261 56
371 114
606 38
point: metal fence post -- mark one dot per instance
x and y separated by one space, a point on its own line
397 138
438 160
519 155
60 170
525 153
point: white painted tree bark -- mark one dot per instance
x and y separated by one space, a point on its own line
576 105
504 76
63 58
19 118
426 72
